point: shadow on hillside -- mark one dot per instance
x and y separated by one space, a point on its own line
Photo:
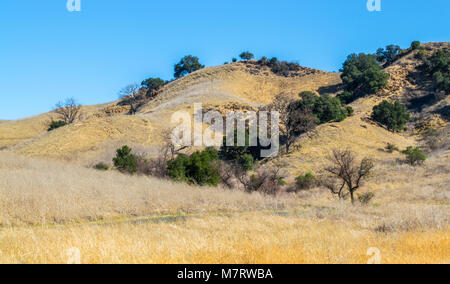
329 90
417 104
444 112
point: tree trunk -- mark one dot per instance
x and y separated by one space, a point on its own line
352 196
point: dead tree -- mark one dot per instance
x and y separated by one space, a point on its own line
68 111
294 121
346 172
131 95
168 142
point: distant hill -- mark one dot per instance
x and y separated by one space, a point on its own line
104 127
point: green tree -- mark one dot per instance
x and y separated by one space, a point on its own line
245 156
246 55
325 108
125 161
361 75
196 169
415 45
153 83
414 156
389 54
187 65
437 68
393 115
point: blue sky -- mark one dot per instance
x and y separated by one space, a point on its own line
48 53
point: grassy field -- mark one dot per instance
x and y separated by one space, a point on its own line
56 212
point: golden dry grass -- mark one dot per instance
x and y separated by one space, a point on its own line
252 239
48 207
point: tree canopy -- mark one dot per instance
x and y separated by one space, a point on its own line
187 65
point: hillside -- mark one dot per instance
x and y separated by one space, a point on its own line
53 201
105 127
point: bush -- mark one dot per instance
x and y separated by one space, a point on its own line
414 156
282 68
415 45
234 60
265 180
437 68
246 55
346 97
195 169
101 167
421 54
389 54
244 156
306 181
391 148
393 115
187 65
361 75
326 108
247 162
125 161
153 83
350 111
365 198
56 124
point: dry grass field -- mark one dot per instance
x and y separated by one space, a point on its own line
113 218
54 206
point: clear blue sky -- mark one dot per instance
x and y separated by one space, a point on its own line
48 53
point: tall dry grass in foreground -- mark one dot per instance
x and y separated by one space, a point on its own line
45 191
49 207
252 239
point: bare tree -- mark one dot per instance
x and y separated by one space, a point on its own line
281 104
166 136
345 171
264 179
131 95
68 111
294 121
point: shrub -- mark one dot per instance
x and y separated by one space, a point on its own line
326 108
389 54
101 167
414 156
306 181
346 97
265 180
365 198
246 55
421 54
415 45
56 124
393 115
153 83
125 161
437 68
282 68
391 148
196 169
187 65
240 155
247 162
234 60
350 111
361 75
